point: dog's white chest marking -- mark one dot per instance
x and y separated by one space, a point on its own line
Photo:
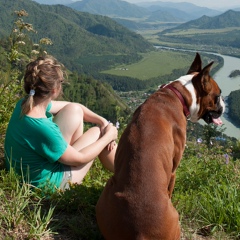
194 108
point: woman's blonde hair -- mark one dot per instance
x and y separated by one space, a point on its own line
41 77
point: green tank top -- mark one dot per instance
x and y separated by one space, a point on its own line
33 147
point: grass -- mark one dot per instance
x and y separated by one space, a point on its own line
152 33
207 196
195 31
22 213
25 213
208 192
153 64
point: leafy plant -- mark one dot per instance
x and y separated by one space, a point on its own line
21 212
207 189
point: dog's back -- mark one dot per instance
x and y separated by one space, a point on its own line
129 205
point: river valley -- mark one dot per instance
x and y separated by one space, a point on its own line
228 85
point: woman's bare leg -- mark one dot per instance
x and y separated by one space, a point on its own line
70 122
107 158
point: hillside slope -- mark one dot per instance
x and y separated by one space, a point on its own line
75 35
113 8
228 19
191 10
118 8
220 33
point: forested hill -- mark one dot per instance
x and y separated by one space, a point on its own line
228 19
233 102
221 33
112 8
78 38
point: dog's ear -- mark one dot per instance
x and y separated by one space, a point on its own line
205 78
196 65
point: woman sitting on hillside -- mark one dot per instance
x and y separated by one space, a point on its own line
45 141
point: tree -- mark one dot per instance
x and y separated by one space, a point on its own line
210 131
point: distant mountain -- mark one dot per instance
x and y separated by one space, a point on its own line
208 33
140 13
52 2
165 16
176 14
80 40
228 19
111 8
190 10
166 11
236 9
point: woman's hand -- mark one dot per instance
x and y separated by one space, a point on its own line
111 145
103 125
113 134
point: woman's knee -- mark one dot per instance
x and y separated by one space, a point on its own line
70 112
74 109
70 121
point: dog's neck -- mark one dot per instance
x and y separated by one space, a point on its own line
180 97
186 81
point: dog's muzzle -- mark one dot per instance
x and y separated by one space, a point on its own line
213 117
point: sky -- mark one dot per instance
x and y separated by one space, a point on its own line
219 4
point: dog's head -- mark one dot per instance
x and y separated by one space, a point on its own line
207 101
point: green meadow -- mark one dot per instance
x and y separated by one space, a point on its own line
194 31
154 64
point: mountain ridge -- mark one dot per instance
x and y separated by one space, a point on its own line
227 19
123 9
75 35
111 8
191 10
220 34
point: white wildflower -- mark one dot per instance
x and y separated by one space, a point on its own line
35 52
21 43
46 41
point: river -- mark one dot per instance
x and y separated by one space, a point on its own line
226 84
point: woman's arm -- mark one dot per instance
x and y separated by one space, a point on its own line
90 116
73 157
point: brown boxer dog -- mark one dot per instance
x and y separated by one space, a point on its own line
136 201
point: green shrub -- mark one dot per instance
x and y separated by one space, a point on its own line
207 190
